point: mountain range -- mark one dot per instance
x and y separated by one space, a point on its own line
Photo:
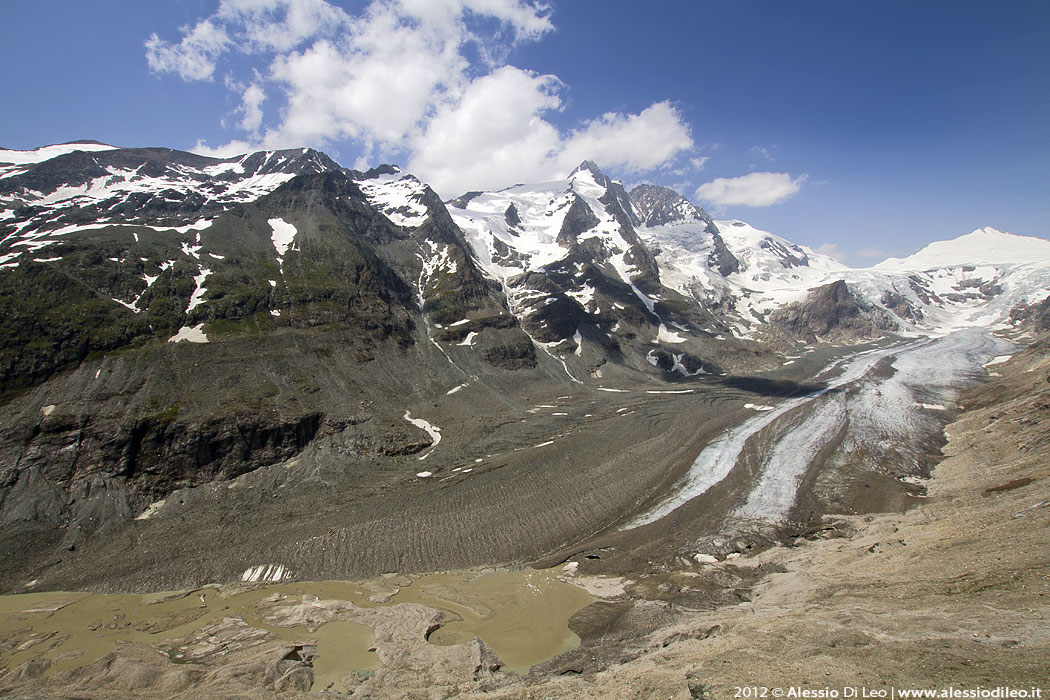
172 322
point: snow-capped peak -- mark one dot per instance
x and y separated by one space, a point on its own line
986 246
86 186
588 180
763 253
401 197
591 168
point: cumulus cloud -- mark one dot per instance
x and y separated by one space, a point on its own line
496 135
754 190
194 57
529 20
246 26
633 142
251 108
396 81
227 150
492 131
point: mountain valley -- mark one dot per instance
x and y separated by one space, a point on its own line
270 370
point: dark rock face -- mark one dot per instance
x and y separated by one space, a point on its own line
901 306
511 352
830 312
578 220
1042 316
792 256
160 449
512 217
1035 316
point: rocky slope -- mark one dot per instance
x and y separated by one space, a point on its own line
948 594
172 320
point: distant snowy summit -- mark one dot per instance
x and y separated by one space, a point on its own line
987 246
754 282
9 158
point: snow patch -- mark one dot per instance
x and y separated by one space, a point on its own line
192 334
283 234
665 336
152 510
197 298
266 572
432 430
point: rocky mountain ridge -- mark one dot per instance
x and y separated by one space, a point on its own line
589 272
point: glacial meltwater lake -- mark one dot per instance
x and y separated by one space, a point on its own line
522 615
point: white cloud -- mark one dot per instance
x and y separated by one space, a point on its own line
529 20
495 136
251 108
249 26
699 162
871 253
395 79
280 25
632 142
754 190
376 83
227 150
492 131
832 251
194 57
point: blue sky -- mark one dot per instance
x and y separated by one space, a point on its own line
865 128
